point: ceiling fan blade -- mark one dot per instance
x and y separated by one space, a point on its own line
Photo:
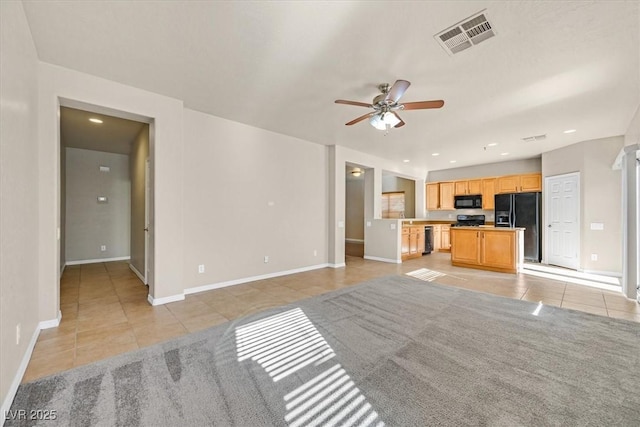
361 118
397 90
399 125
422 105
358 104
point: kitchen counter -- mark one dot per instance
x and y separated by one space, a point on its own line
488 248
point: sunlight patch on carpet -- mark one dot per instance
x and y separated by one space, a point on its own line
425 274
288 342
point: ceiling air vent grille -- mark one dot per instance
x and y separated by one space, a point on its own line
534 138
466 34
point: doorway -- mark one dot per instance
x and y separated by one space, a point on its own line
105 190
562 201
354 207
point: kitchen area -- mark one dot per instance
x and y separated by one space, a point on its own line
490 223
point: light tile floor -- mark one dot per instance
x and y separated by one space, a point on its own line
105 310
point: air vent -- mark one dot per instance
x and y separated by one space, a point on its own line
466 34
534 138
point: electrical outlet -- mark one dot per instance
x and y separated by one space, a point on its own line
103 248
594 257
266 259
18 327
201 268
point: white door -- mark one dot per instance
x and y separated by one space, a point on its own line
562 200
146 223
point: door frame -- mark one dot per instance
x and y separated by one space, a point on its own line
547 206
147 194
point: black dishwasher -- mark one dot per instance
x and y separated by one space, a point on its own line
428 239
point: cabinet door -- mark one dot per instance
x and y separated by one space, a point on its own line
488 193
474 186
433 196
446 195
464 246
413 241
437 237
420 234
498 249
445 239
531 182
404 246
508 184
460 188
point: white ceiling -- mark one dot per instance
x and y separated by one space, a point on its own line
553 66
113 135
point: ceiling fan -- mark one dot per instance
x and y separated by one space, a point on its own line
386 105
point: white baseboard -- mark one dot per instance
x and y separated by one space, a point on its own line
165 300
137 273
53 323
93 261
360 241
252 279
22 368
340 265
375 258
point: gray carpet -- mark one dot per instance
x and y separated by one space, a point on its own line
392 351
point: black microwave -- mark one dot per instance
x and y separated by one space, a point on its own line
468 202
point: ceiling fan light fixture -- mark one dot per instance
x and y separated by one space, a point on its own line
384 120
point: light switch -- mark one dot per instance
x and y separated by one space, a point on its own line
392 226
103 199
368 223
340 224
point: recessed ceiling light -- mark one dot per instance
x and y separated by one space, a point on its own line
492 144
406 161
452 161
569 131
435 154
94 120
504 154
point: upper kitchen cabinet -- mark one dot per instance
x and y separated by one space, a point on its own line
488 193
440 195
519 183
472 186
433 196
446 195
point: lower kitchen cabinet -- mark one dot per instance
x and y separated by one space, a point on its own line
412 242
498 249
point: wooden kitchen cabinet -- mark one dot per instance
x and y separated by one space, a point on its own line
437 237
487 249
446 195
488 193
472 186
445 240
412 242
519 183
433 196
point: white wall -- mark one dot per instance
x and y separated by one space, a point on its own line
58 85
18 196
90 224
250 193
600 198
339 157
137 165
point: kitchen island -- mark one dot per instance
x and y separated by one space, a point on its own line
488 248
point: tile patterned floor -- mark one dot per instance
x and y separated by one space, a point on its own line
105 310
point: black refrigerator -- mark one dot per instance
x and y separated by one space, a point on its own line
522 210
